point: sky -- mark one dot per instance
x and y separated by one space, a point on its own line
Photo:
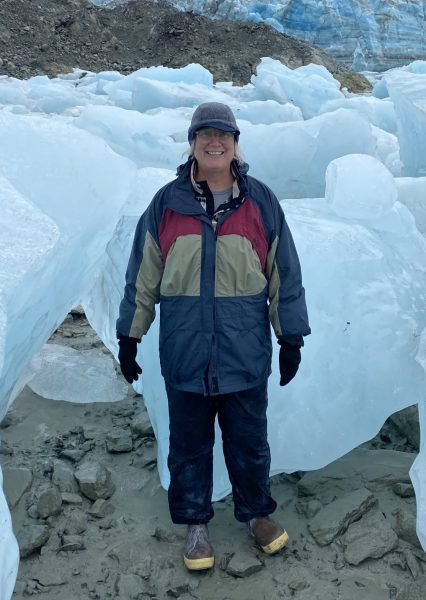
81 158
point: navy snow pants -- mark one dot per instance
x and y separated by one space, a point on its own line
242 419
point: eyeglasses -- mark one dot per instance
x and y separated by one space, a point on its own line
208 133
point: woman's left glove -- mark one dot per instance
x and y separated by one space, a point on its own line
290 358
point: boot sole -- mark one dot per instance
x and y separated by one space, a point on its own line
199 564
276 544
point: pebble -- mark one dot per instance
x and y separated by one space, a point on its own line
31 538
243 564
119 440
404 490
95 480
405 527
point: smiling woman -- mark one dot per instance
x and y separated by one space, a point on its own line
211 248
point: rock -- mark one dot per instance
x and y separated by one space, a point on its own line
95 480
128 553
298 579
76 522
92 433
51 577
371 537
404 490
47 500
334 519
101 508
20 586
130 586
16 481
63 478
243 564
162 535
405 527
407 423
68 498
31 537
372 469
123 409
141 426
146 456
71 543
72 454
5 449
309 508
119 440
415 591
358 587
412 563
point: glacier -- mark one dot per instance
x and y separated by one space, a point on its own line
75 176
373 35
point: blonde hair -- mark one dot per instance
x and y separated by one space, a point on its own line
238 156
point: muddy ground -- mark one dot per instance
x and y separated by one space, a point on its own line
92 520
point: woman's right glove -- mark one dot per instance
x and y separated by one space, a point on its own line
128 348
290 358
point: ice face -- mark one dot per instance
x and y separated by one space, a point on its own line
73 184
408 93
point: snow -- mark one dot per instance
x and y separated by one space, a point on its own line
80 159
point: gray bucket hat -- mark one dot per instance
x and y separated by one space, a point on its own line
213 114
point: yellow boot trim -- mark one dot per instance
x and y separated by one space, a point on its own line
277 544
198 564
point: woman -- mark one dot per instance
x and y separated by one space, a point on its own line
213 248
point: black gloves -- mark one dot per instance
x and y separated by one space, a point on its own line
289 361
128 348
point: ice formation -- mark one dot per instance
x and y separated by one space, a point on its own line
75 178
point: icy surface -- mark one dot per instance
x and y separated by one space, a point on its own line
79 163
63 373
9 551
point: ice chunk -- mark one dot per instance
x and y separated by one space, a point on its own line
149 93
380 113
293 157
307 87
63 373
412 193
267 111
408 93
418 470
9 551
359 187
69 188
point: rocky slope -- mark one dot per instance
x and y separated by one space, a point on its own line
364 34
53 36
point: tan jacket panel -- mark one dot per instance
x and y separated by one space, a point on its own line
182 271
274 287
147 287
238 268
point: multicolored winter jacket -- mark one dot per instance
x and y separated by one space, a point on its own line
219 278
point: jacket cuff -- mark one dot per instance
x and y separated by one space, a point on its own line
124 338
292 340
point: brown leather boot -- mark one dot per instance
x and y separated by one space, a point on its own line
269 534
197 552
